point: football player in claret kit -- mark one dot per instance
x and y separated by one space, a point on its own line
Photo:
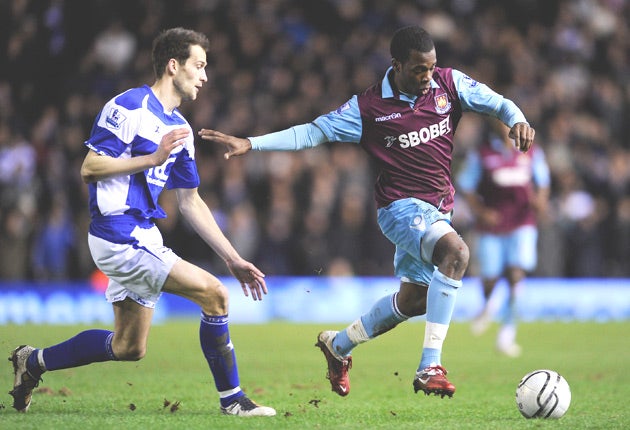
507 191
406 123
140 143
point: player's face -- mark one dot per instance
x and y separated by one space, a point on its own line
414 75
191 75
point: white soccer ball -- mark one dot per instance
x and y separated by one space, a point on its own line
543 394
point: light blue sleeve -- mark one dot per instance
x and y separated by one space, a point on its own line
541 174
298 137
470 175
343 124
478 97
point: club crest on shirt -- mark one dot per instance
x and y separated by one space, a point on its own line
442 104
115 118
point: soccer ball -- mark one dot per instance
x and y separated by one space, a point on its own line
543 394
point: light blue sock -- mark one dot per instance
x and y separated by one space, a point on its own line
440 304
508 314
383 317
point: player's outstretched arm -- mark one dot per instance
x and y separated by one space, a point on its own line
234 145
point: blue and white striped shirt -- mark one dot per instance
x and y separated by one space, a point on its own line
130 125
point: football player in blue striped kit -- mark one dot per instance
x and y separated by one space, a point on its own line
140 144
406 123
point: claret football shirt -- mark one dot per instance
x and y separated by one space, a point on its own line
411 138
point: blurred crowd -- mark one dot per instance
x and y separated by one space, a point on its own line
277 63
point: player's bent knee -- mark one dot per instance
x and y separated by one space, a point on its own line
461 254
456 257
215 299
130 353
451 256
434 233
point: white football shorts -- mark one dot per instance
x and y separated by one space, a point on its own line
137 270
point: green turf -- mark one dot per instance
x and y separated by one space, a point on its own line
280 367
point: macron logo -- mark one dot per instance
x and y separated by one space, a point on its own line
394 115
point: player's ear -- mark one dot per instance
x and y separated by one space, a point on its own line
397 65
171 66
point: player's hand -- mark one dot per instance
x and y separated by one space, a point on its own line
489 217
523 136
169 142
251 278
234 145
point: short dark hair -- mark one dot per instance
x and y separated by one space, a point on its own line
175 43
407 39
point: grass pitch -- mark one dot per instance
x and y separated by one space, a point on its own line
172 387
